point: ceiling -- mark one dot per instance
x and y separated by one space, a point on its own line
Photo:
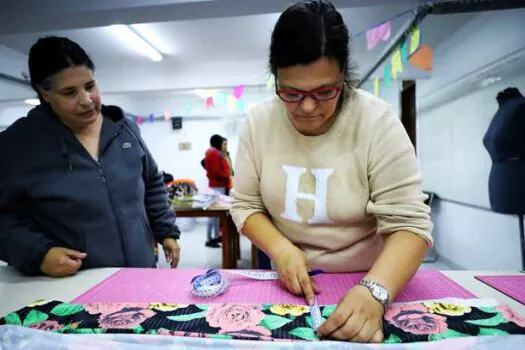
206 43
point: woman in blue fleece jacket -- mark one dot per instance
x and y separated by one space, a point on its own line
78 187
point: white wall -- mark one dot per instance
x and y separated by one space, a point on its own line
198 128
453 159
163 143
8 115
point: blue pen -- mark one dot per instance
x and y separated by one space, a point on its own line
315 272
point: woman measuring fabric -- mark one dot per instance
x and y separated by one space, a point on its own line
78 187
327 178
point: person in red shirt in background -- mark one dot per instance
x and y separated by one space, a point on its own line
218 173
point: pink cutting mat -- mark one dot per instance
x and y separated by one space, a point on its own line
511 285
172 286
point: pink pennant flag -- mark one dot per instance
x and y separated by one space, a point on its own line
140 120
376 34
209 102
238 91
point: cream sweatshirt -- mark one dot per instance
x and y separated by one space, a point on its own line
336 194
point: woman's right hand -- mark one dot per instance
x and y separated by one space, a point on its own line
61 262
292 267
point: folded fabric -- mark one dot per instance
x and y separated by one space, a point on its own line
403 323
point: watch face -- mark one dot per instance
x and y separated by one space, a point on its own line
379 293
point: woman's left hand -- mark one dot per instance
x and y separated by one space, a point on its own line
357 318
171 251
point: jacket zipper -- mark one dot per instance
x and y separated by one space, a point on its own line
110 195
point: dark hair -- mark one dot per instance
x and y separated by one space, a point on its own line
307 31
50 55
216 141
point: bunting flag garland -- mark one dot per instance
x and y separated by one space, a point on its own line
387 75
415 40
397 64
238 91
209 102
167 115
378 33
140 120
422 58
151 118
376 86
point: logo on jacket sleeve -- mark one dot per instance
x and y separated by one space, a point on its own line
126 145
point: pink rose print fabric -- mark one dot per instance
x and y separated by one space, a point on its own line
403 323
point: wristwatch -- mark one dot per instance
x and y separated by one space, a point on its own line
378 291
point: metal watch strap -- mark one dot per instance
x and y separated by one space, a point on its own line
371 286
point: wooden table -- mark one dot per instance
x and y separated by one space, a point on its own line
231 250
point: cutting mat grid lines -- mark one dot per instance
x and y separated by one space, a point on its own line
172 286
510 285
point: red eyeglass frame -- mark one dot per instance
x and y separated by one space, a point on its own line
310 93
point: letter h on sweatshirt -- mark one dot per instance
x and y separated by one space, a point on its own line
320 197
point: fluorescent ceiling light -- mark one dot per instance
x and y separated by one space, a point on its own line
136 41
32 101
146 32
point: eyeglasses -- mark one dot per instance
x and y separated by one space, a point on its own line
319 94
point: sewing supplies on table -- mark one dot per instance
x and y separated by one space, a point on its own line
213 283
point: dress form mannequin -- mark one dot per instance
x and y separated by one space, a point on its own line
505 143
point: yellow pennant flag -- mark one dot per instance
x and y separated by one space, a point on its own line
415 39
376 86
232 103
397 64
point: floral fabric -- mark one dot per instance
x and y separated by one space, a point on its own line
403 323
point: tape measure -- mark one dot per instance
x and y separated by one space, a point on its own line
212 284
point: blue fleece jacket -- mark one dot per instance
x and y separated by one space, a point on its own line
53 193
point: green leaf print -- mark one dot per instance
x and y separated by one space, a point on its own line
138 330
13 318
186 318
66 309
446 335
493 321
266 307
304 333
489 309
203 307
310 322
492 331
34 317
272 322
392 339
83 331
220 336
99 330
328 310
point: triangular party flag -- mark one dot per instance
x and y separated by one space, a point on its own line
241 105
232 103
404 52
376 34
209 102
238 91
387 75
376 86
151 118
397 64
140 120
220 99
415 39
422 58
167 115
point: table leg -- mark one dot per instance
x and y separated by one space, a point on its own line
229 260
236 237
